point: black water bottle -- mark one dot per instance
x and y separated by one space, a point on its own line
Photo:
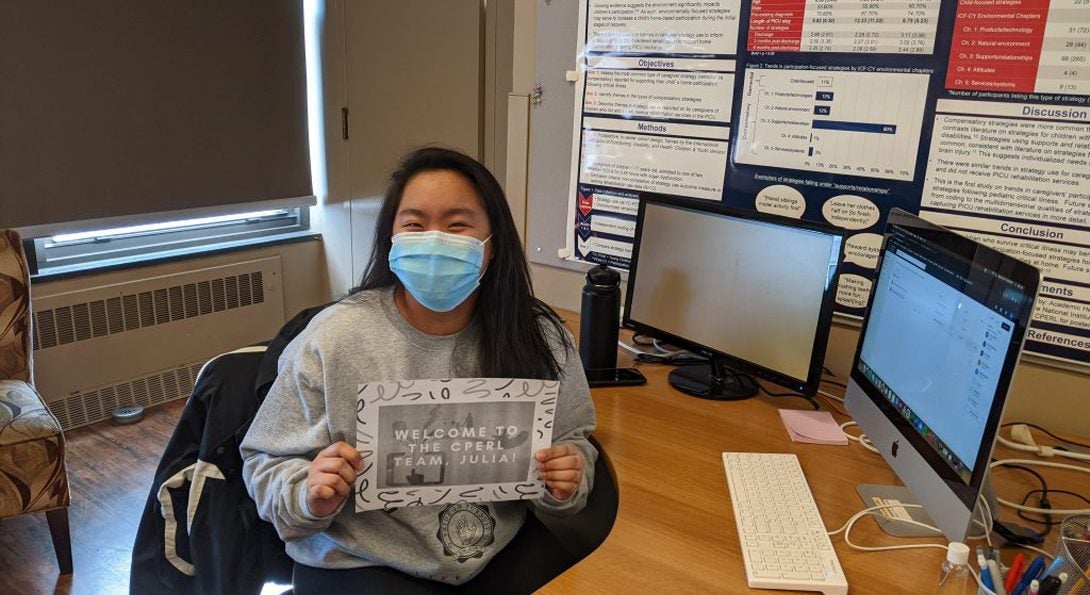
600 318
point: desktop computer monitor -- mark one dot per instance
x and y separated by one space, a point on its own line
752 292
936 354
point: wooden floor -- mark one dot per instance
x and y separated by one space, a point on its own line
110 470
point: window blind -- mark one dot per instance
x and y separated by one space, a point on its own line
114 108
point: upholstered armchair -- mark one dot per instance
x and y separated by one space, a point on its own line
33 477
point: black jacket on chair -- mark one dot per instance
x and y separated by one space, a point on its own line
200 532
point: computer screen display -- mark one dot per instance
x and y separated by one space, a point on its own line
937 353
756 289
938 348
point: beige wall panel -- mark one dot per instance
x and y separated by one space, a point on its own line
332 215
414 77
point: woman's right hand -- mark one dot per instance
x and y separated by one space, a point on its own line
331 476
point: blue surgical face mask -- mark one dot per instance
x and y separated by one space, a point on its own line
439 269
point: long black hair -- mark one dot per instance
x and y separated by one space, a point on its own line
514 325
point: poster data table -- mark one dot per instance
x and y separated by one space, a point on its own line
843 26
1024 46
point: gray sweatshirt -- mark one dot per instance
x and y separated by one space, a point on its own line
311 405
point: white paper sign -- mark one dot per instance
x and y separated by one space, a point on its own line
429 442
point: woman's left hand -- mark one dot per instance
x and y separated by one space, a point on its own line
561 467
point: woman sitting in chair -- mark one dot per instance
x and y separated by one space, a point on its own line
471 314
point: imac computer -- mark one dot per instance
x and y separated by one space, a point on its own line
936 355
751 292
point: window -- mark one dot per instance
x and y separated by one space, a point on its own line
192 110
70 252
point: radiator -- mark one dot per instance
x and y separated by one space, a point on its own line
142 341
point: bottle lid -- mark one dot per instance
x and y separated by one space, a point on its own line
603 276
957 553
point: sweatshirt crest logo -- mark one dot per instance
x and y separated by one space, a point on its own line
466 530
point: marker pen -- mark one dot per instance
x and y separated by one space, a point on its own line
997 577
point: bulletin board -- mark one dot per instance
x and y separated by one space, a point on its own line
975 114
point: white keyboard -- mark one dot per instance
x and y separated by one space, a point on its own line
784 542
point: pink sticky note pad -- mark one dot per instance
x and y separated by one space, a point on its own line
814 427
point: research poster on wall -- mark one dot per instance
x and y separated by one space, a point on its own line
975 114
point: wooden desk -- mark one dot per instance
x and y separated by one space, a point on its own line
675 531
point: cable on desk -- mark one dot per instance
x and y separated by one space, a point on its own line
676 358
1042 511
989 519
830 395
846 529
1045 504
813 403
1046 519
647 357
1040 478
1045 432
861 439
632 349
832 404
832 380
660 353
654 358
1047 555
1044 451
667 352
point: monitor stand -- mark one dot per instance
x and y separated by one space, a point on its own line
714 380
888 519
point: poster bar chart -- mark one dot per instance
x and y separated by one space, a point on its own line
865 124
